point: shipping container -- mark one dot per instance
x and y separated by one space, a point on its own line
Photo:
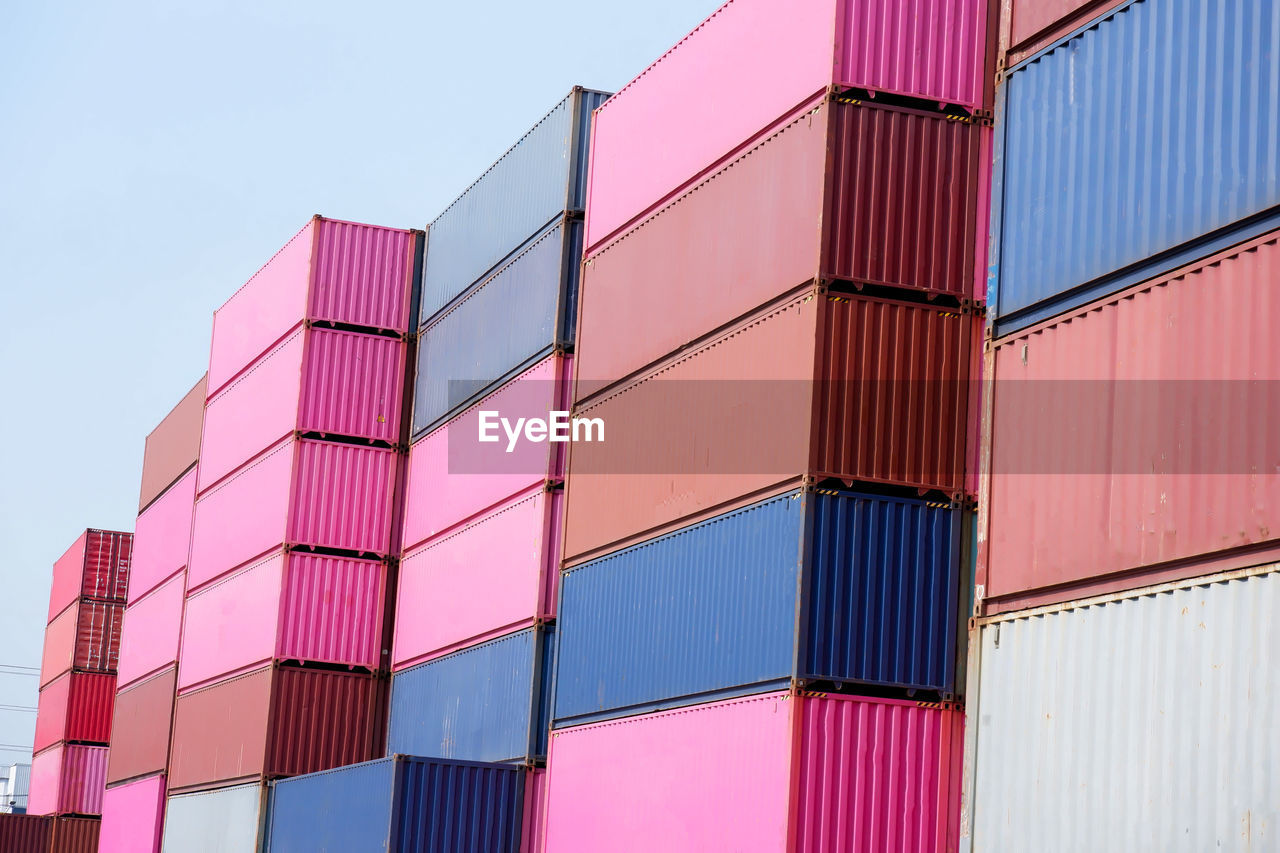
25 833
832 387
95 566
75 706
152 629
1138 721
277 721
68 779
454 476
486 703
140 728
783 771
756 61
332 273
1029 26
75 835
86 636
311 494
533 831
540 179
1146 423
487 577
228 820
290 606
508 322
1085 209
401 804
133 817
317 381
173 446
163 539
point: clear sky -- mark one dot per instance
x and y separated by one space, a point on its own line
154 154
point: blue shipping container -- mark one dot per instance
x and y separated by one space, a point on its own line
401 804
540 179
484 703
1140 143
508 322
810 586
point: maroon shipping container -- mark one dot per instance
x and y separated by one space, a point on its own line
173 446
838 192
25 833
96 566
1029 26
140 729
75 707
86 636
75 835
817 385
277 721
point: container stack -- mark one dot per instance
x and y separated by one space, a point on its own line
764 570
280 668
78 684
1128 580
138 762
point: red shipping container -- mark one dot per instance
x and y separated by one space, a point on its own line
76 835
75 707
85 636
96 566
1029 26
140 730
828 387
68 779
837 192
173 446
25 833
278 721
1132 441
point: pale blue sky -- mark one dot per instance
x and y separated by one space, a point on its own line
154 154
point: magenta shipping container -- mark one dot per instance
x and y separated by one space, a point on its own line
782 771
491 576
149 638
331 272
291 606
453 476
163 537
301 493
68 779
133 817
316 381
755 61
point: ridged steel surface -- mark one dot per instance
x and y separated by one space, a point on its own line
220 732
96 566
541 177
163 539
140 728
151 631
75 835
228 820
533 827
508 322
86 636
173 446
68 779
75 707
133 817
1140 722
25 833
1100 175
479 704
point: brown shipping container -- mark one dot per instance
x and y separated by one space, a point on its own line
75 835
840 192
24 833
817 385
173 446
1029 26
86 636
140 730
277 721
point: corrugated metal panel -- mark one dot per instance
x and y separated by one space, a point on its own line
505 324
75 707
164 538
220 732
140 728
86 636
68 779
96 565
1099 177
228 820
533 828
25 833
349 808
1028 26
51 712
173 446
342 497
479 704
462 808
321 720
133 817
75 835
150 633
360 275
1133 723
536 181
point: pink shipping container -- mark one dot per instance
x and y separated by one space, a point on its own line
781 771
311 494
493 575
291 606
533 833
95 566
757 60
316 381
331 272
133 817
1148 427
68 779
453 476
163 538
152 626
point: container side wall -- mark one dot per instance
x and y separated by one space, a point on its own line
342 497
360 275
151 631
220 732
349 808
173 446
228 820
163 539
133 817
140 728
459 808
323 720
68 575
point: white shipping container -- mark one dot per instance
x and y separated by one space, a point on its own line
1148 720
226 820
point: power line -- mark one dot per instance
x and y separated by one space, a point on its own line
17 708
13 747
